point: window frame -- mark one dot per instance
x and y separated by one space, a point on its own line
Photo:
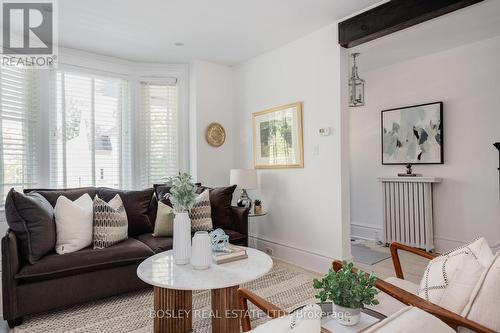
134 73
124 169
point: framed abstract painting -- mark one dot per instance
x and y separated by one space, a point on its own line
413 134
277 137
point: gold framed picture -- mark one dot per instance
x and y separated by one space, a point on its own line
277 137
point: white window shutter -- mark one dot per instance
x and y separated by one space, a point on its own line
89 136
158 132
18 119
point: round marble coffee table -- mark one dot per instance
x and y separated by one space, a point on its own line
173 285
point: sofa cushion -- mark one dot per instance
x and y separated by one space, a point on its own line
410 320
70 193
162 192
485 300
220 202
54 265
137 205
31 218
157 244
234 236
388 305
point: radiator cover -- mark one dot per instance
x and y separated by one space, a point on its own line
408 210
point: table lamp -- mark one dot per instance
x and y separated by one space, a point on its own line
245 179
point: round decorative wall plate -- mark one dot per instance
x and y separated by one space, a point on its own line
215 135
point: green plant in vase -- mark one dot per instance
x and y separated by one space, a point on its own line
182 194
349 291
183 198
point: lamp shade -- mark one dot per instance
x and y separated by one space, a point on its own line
244 178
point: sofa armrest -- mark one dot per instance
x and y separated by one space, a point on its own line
10 267
240 219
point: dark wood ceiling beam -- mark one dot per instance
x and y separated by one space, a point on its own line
393 16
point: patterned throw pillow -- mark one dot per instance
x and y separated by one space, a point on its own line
201 213
110 222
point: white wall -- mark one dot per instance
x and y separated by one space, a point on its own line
466 80
211 100
305 224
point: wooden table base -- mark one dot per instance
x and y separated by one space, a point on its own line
225 314
173 310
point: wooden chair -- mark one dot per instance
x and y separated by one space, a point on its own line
452 319
270 309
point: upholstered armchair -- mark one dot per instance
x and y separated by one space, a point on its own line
396 290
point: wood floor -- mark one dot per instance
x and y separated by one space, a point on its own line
413 266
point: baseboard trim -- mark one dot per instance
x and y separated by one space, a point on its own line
442 244
366 231
309 260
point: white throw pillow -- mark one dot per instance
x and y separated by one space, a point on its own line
485 300
306 320
450 278
73 223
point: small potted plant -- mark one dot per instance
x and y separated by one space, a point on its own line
182 198
257 206
348 291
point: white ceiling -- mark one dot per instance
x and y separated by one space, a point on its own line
223 31
468 25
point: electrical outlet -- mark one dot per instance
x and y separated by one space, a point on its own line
269 251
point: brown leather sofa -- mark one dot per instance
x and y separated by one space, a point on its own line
57 281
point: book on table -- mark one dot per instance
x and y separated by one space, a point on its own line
231 253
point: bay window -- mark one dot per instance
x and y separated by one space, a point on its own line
89 136
18 124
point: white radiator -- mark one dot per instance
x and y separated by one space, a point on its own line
407 209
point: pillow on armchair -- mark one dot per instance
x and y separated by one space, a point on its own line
485 299
450 278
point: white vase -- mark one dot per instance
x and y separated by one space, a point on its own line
201 255
346 316
182 238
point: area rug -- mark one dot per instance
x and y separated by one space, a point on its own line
366 255
285 285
